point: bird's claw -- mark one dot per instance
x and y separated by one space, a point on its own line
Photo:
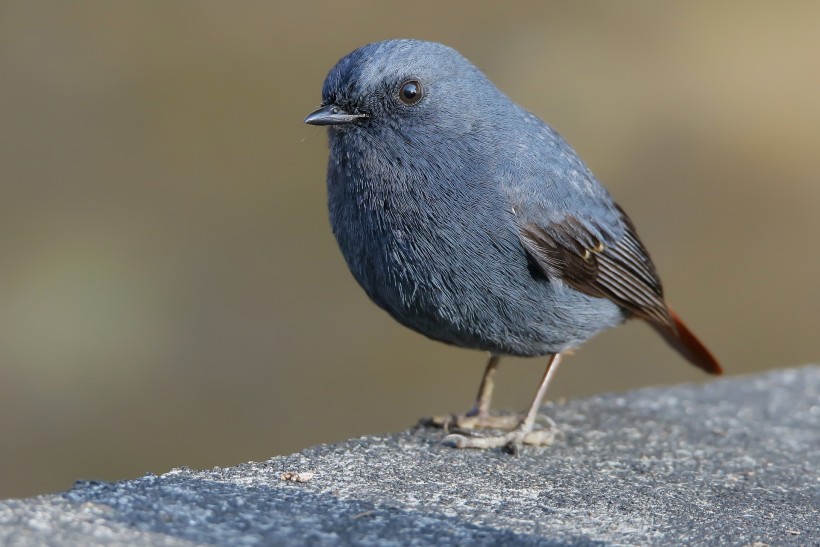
511 441
471 422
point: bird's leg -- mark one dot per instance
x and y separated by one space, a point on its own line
479 415
485 390
524 432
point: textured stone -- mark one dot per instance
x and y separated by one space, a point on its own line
736 461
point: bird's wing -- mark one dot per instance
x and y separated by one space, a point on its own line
602 261
570 226
609 261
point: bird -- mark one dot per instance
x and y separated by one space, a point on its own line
471 221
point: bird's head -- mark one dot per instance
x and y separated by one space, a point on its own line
405 93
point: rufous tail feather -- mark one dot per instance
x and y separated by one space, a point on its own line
687 344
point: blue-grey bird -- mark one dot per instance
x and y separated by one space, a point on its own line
473 222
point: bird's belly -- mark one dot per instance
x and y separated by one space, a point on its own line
493 303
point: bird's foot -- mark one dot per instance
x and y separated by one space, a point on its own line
511 441
471 421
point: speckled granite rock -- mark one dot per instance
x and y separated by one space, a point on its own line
734 462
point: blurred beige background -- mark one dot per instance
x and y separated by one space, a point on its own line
170 290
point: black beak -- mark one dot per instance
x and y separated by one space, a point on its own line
332 115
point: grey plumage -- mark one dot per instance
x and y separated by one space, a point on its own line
470 220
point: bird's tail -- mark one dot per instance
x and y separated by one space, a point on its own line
687 344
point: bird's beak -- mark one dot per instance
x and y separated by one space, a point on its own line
332 115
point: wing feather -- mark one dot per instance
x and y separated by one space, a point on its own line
619 270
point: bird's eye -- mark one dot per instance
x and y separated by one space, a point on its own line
410 92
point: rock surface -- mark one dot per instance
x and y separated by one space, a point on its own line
736 462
